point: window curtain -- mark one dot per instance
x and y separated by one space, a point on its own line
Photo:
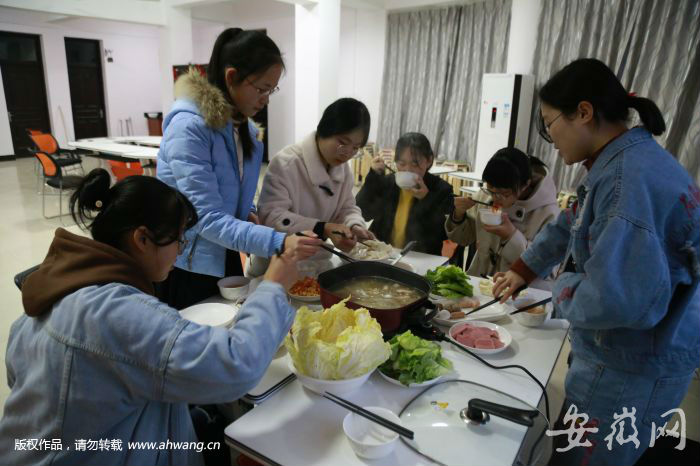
432 73
654 48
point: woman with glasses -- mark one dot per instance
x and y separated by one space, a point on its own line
630 275
519 187
97 348
416 213
308 185
212 152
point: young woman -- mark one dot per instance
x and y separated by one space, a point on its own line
97 356
308 185
520 187
630 264
404 215
212 153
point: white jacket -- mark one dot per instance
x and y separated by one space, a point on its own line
298 192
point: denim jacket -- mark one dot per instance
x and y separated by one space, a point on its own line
111 362
633 240
198 158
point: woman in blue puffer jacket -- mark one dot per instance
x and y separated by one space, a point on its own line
212 153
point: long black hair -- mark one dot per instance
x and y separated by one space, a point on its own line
417 144
344 116
250 53
588 79
132 202
510 168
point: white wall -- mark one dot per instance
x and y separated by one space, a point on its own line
5 134
362 40
524 16
132 81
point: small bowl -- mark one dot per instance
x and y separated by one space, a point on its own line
337 387
489 217
368 439
529 318
233 288
406 180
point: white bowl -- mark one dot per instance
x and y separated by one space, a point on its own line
529 319
368 439
211 314
336 387
489 217
234 288
406 180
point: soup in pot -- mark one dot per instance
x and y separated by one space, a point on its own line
377 292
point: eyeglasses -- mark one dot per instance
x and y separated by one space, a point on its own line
496 195
348 150
543 128
262 92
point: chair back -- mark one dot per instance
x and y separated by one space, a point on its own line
123 170
44 142
48 164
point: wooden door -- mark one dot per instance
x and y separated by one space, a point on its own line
86 88
25 89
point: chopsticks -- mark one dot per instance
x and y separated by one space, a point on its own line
531 306
346 237
331 250
369 415
494 301
490 204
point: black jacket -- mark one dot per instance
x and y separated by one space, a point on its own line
379 198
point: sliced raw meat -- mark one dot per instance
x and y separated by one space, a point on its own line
478 337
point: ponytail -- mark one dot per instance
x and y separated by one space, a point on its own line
132 202
590 80
651 116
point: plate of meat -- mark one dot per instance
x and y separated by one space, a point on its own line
481 337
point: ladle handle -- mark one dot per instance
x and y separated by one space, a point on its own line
477 407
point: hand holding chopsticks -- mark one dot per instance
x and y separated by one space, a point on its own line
387 424
493 301
331 250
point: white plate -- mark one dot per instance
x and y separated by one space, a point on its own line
411 385
305 299
490 314
503 335
211 314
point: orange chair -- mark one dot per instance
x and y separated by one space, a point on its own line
123 170
46 143
55 179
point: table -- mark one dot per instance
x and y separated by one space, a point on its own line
441 170
469 176
298 427
117 149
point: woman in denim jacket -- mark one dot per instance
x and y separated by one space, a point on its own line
630 269
97 357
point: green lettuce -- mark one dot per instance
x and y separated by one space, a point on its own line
450 281
337 343
414 360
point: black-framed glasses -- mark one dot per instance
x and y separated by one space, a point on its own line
262 92
496 195
543 128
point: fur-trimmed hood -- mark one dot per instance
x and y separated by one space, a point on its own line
209 100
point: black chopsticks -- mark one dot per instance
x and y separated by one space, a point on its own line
369 415
330 249
494 301
531 306
346 237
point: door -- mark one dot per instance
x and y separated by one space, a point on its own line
86 88
25 89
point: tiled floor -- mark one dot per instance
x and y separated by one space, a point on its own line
25 236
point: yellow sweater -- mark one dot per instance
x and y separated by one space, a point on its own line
398 233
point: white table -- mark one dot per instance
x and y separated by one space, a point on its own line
149 141
298 427
116 149
469 176
441 170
